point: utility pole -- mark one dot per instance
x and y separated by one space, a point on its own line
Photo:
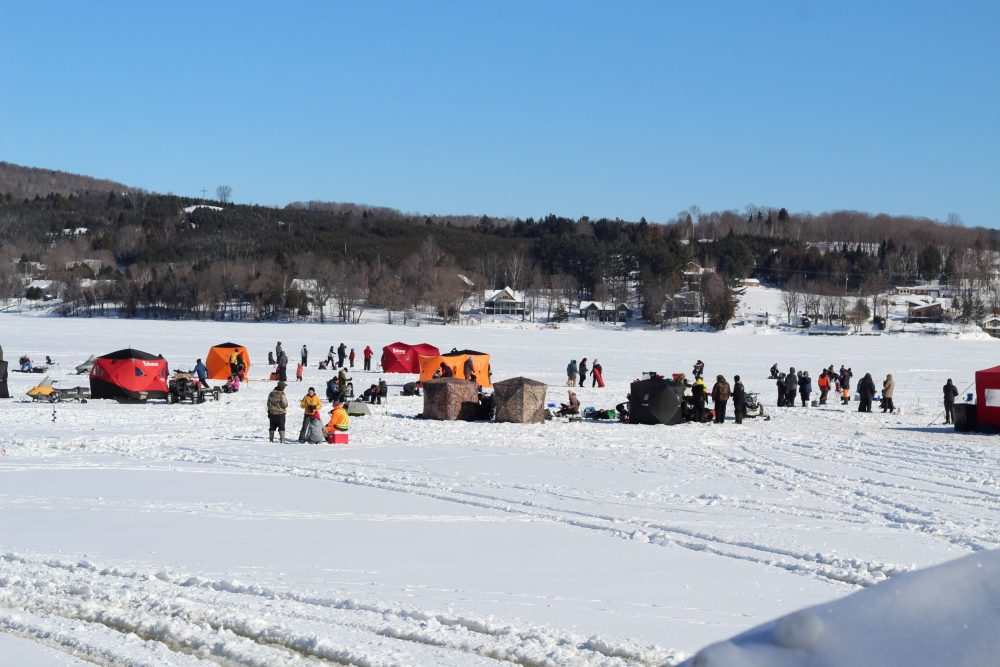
204 191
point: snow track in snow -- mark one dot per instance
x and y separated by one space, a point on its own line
90 611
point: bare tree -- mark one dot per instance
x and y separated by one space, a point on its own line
791 299
223 193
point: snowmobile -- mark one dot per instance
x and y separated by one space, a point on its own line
754 408
184 387
44 391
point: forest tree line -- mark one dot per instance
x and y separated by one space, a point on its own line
320 259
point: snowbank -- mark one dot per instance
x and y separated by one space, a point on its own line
944 615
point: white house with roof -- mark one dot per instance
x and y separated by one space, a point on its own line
506 301
602 311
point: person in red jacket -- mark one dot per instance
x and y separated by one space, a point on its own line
368 357
350 357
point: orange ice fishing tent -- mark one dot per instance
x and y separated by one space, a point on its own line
455 361
218 360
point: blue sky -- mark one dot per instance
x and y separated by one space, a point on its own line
517 108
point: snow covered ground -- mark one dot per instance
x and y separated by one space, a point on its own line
164 534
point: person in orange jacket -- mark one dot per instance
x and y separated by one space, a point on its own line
824 387
310 403
339 420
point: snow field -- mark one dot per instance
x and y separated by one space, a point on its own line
162 534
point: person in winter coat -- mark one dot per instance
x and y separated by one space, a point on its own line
597 375
333 389
699 396
791 387
202 372
412 388
232 385
342 380
331 357
571 371
314 434
888 386
781 389
720 394
310 403
298 372
571 408
278 350
582 372
699 368
350 358
866 392
446 371
774 371
824 386
383 391
234 362
282 366
341 354
845 385
368 357
370 394
739 400
950 394
340 421
305 356
805 388
277 406
468 370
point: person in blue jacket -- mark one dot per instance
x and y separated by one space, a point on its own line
202 372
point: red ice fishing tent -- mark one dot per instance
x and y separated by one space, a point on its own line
988 397
403 358
129 375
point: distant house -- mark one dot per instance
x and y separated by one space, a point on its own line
683 304
45 289
758 319
95 265
928 312
504 301
598 311
930 290
749 282
692 274
991 325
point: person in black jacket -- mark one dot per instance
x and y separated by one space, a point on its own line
698 395
781 390
866 393
791 387
950 394
739 400
341 354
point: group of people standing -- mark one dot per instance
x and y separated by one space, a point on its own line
313 429
722 392
576 373
799 383
337 357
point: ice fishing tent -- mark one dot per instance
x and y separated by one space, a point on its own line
988 397
84 368
129 375
4 391
403 358
358 409
520 400
656 401
217 360
455 360
448 399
